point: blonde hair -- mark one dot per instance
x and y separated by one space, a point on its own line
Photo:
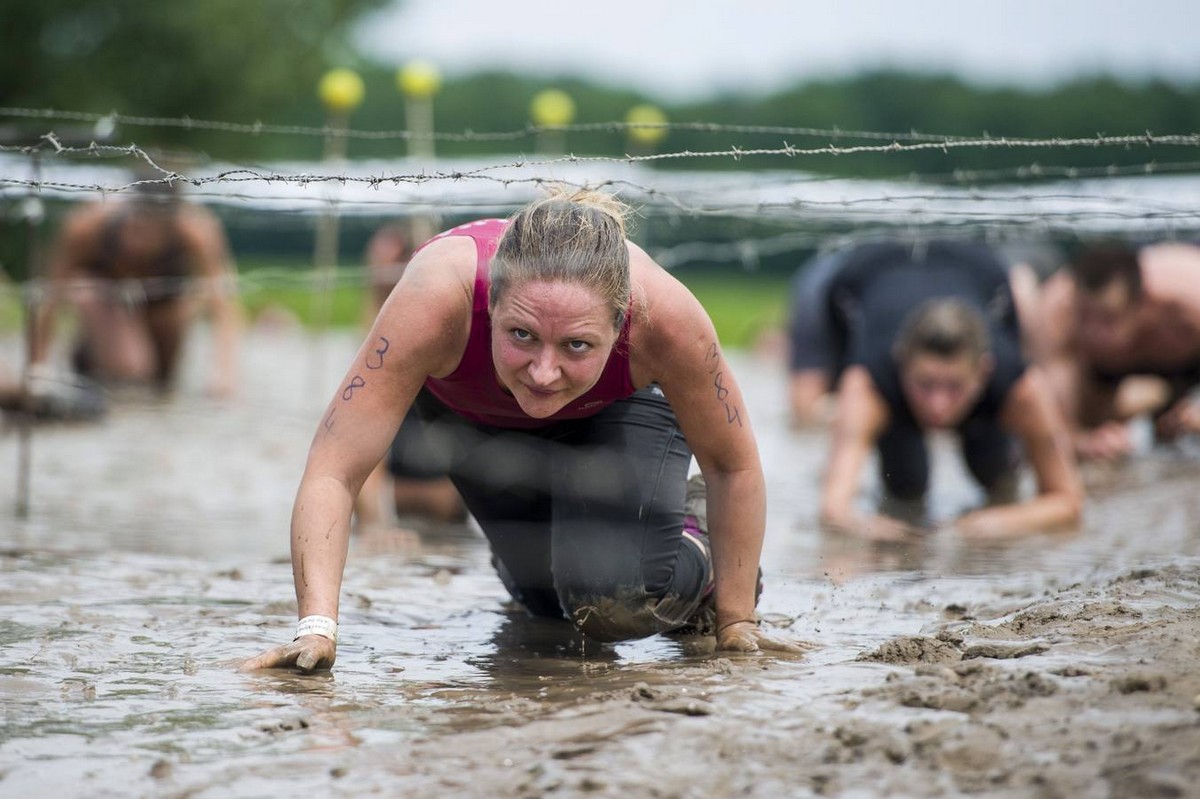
575 236
945 327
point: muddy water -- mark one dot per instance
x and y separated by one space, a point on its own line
155 556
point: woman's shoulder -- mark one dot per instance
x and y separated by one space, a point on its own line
445 258
654 287
430 308
668 320
439 281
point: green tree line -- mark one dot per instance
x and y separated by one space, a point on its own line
240 61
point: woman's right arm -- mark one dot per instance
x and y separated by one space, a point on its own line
1030 412
861 417
421 331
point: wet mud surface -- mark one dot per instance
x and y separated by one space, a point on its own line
155 558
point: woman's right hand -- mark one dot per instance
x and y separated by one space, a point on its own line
308 653
873 527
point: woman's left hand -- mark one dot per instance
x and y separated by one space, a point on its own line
747 636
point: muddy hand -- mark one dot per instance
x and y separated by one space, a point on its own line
309 653
747 636
1183 417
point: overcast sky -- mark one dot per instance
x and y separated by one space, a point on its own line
688 50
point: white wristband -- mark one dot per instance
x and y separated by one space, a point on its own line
317 625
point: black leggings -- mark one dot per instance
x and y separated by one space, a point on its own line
989 451
584 517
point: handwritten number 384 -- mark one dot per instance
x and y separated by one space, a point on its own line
733 414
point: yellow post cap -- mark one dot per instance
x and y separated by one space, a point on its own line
341 89
648 115
552 107
419 79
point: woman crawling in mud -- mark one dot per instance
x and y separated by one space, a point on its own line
563 381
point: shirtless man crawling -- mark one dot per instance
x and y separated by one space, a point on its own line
1119 334
135 272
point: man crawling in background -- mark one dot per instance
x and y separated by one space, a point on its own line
135 273
1119 336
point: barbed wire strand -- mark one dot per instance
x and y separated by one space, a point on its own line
258 128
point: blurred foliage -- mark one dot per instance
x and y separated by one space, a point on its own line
877 101
945 105
216 59
239 61
246 61
302 303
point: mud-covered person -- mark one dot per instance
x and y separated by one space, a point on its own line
1119 334
136 273
932 342
570 379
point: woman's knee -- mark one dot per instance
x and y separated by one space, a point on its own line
625 607
623 614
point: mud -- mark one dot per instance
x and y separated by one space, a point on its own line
155 558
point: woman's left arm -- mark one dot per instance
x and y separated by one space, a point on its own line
677 348
1031 413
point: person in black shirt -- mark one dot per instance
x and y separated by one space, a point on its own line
932 341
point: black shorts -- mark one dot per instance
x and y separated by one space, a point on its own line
584 517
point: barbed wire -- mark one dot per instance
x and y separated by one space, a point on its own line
894 204
644 192
933 207
257 128
897 143
1033 171
1001 211
1039 171
1147 139
746 252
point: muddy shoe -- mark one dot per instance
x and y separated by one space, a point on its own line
695 532
59 397
695 506
65 397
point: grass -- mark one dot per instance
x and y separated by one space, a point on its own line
741 305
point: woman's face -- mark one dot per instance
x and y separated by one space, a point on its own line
941 391
550 341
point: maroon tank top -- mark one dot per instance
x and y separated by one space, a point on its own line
473 390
